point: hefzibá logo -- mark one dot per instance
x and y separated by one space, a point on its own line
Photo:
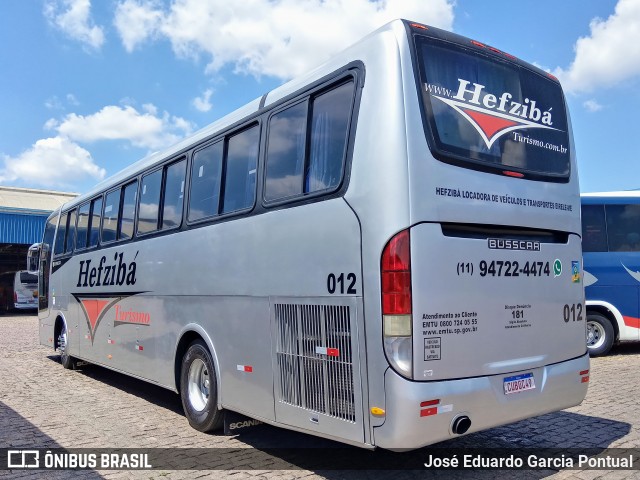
493 116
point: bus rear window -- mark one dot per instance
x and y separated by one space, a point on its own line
492 114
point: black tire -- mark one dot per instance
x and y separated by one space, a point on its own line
62 346
600 334
198 389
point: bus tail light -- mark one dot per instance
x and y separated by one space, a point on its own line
395 271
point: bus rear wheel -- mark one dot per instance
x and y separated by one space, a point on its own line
600 334
198 388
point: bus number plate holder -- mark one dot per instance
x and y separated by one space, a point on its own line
518 383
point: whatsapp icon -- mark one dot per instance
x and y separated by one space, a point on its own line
557 268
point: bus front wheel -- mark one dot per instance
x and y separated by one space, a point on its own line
198 388
66 360
600 334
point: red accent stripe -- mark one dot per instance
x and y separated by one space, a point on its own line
584 372
428 412
248 368
428 403
632 322
333 352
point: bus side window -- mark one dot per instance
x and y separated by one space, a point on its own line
205 182
173 195
83 226
71 231
594 230
286 152
110 217
94 223
61 236
129 196
623 227
240 171
329 127
149 210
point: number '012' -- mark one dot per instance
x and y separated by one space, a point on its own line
337 284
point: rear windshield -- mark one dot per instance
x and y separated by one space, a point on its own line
489 113
28 278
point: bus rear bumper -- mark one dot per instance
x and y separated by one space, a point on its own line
408 425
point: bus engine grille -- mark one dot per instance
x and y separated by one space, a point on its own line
315 358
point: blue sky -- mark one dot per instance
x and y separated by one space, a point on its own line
90 86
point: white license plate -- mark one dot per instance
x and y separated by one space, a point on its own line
518 383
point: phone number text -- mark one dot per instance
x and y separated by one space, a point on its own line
504 268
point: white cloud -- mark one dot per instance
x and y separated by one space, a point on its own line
51 162
73 17
144 129
609 55
267 37
136 21
203 103
592 105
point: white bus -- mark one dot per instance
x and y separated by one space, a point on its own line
18 291
379 252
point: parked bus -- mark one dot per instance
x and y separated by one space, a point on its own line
378 252
18 291
611 246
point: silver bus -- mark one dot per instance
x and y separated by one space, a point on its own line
381 252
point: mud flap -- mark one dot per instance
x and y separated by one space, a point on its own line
236 423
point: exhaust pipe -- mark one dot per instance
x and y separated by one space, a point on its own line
461 424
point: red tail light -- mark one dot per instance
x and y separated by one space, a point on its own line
396 276
15 297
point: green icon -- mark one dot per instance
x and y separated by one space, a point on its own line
557 268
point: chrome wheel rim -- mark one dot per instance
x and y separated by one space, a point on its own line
595 335
199 385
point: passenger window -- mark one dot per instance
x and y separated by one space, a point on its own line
240 172
110 217
594 230
623 227
173 195
205 182
71 231
149 202
83 226
94 224
130 194
60 236
329 124
306 157
286 152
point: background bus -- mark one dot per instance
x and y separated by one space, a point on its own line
611 246
18 291
363 253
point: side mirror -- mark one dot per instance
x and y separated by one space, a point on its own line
33 258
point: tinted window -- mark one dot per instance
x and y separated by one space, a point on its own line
286 152
149 202
329 124
60 236
240 173
594 233
492 112
83 226
127 217
71 231
111 215
623 227
205 182
94 227
28 278
173 195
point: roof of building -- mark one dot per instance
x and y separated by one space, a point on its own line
29 200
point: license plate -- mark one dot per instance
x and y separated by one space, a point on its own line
518 383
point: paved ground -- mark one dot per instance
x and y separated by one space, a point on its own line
44 406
